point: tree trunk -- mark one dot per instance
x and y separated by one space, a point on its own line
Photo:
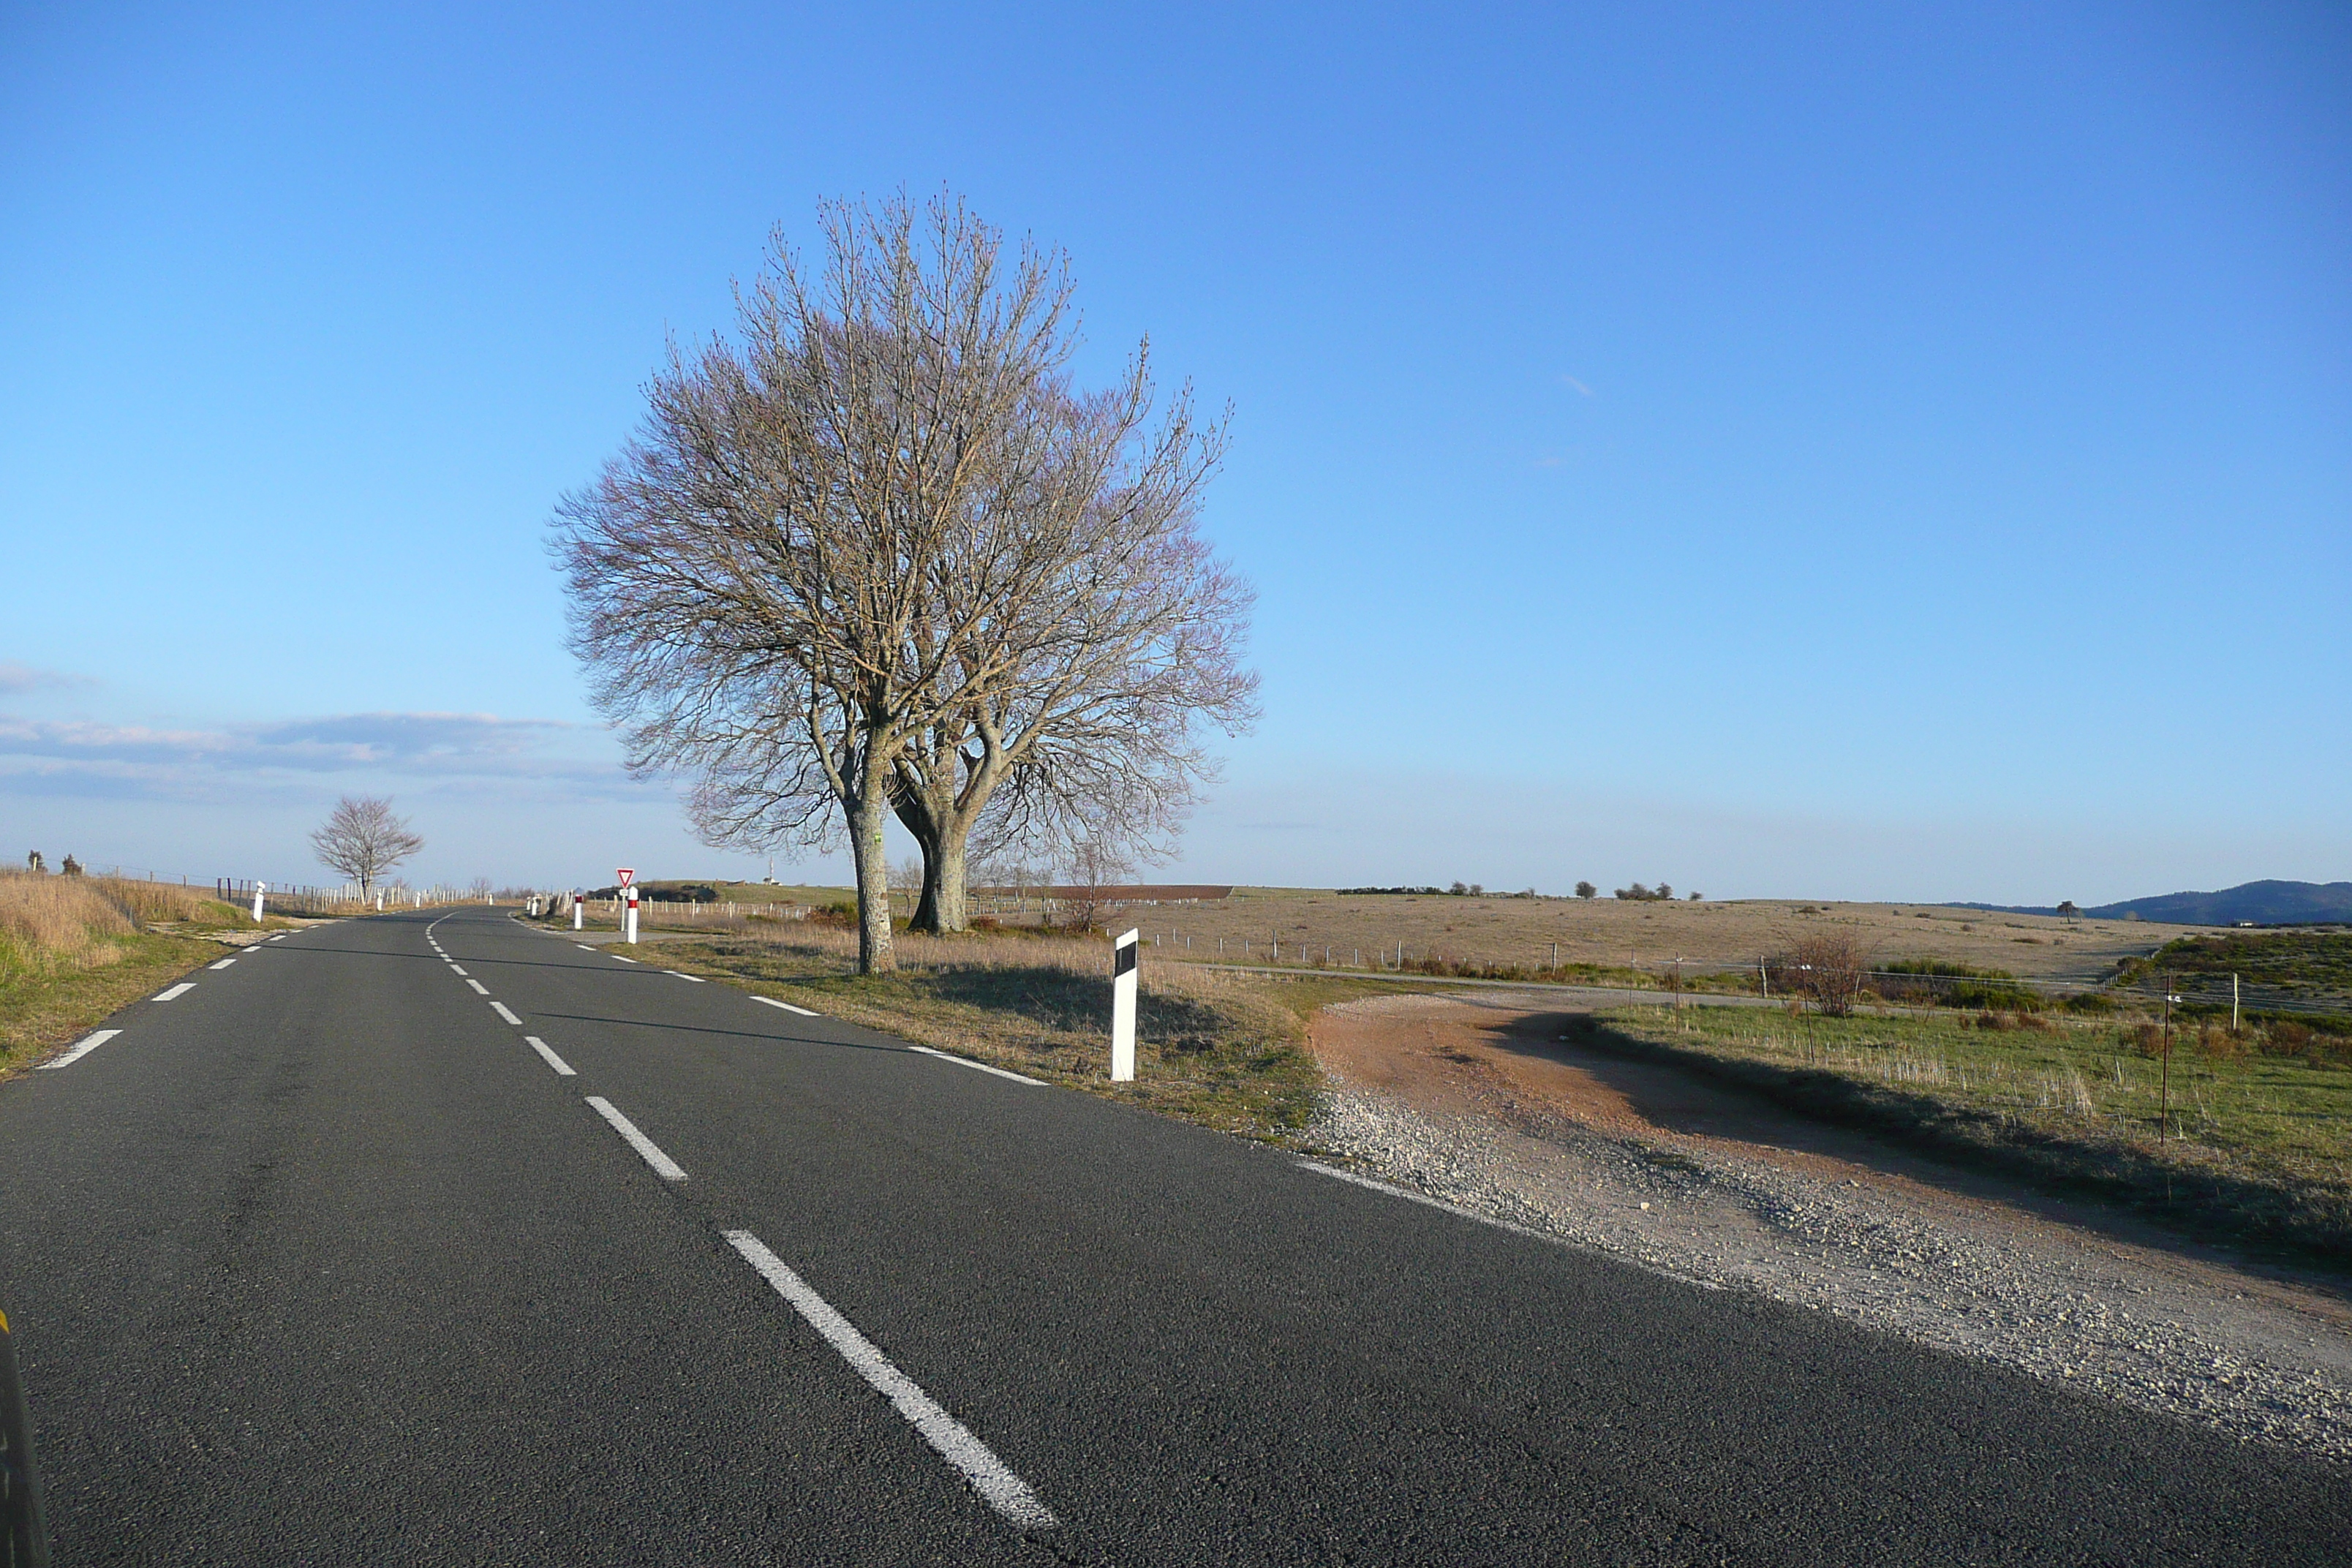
866 846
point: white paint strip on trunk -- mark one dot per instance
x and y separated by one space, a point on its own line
787 1007
182 989
1005 1492
696 978
547 1054
982 1067
224 963
667 1169
479 989
82 1050
500 1009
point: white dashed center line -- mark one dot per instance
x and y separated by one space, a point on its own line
667 1169
500 1009
224 963
980 1067
479 989
1007 1493
453 966
82 1050
182 989
787 1007
547 1055
624 960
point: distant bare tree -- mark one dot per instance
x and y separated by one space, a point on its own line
1587 890
480 887
797 584
1828 967
1090 871
363 839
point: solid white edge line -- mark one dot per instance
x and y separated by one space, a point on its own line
696 978
1005 1492
1421 1198
81 1050
182 989
667 1169
547 1053
479 989
980 1067
584 947
224 963
500 1009
623 960
787 1007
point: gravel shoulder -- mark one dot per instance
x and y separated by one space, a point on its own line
1475 1099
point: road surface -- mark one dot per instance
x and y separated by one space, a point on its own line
433 1239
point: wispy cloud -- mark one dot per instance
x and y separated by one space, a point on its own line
1571 381
455 751
19 678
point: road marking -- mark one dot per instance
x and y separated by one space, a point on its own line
453 966
182 989
82 1050
682 975
224 963
787 1007
558 1063
584 947
623 960
980 1067
279 937
1007 1493
1421 1198
500 1009
479 989
667 1169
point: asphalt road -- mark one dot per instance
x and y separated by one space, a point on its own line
321 1261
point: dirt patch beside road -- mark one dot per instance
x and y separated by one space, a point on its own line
1477 1100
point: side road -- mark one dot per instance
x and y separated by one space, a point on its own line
444 1240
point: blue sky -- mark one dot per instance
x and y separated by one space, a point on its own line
1832 451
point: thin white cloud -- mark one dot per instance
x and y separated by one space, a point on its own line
17 678
476 751
1571 381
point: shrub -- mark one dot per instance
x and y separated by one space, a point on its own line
1991 1020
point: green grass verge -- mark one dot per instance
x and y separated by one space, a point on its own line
1228 1052
42 1008
2259 1147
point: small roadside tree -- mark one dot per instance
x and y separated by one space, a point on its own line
1830 967
363 839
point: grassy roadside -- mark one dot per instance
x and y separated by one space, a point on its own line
2259 1147
74 950
40 1010
1225 1051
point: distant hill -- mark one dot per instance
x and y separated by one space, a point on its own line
2264 903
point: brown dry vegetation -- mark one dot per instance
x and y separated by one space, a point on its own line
1613 933
75 949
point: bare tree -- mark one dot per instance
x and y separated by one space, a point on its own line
1830 968
1092 871
788 584
1114 634
363 839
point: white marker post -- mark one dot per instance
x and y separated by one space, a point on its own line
575 908
258 889
1122 1008
629 914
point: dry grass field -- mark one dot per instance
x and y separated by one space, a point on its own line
1612 932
